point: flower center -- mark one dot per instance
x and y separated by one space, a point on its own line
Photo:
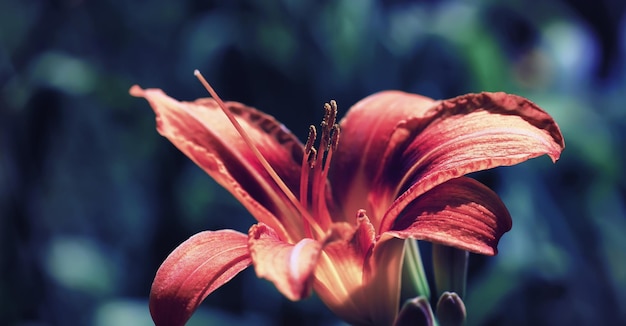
315 166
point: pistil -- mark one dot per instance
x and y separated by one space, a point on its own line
308 219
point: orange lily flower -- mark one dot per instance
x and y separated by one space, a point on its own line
332 217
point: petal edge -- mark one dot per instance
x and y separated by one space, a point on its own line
461 213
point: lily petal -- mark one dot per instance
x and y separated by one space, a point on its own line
290 267
367 135
202 131
193 270
357 277
461 213
466 134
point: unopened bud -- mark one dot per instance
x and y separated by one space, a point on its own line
450 310
415 312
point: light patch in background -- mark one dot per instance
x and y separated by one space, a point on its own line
79 264
123 312
64 72
456 21
586 131
132 312
574 51
406 26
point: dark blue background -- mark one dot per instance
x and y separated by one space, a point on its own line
92 199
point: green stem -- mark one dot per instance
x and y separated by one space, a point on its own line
450 266
414 269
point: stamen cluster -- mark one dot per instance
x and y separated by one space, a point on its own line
318 162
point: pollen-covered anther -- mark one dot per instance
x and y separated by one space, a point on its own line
335 137
310 153
331 110
310 140
328 125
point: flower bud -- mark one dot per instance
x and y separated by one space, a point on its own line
415 312
450 310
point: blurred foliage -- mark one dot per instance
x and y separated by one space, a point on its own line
92 199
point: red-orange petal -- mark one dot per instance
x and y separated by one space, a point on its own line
202 131
466 134
461 213
193 270
290 267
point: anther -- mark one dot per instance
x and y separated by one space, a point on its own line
335 138
310 140
333 113
327 111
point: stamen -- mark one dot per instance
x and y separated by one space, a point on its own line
333 113
332 146
335 141
330 134
312 157
268 168
310 139
327 125
304 174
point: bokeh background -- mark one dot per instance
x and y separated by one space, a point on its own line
92 199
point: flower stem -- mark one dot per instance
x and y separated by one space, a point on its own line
414 269
450 266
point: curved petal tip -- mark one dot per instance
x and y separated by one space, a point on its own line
193 270
136 91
